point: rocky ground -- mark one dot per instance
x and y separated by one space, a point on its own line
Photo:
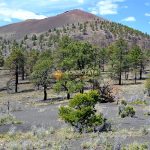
28 108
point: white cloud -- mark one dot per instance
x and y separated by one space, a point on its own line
7 14
147 14
24 10
129 19
107 7
94 12
81 1
2 4
7 20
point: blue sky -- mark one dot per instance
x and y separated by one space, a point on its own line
134 13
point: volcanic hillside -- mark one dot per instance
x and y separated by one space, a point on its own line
45 34
18 30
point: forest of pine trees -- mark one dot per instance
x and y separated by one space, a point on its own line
79 63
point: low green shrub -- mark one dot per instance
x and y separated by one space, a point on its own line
139 102
130 111
136 146
123 114
123 102
126 111
81 112
8 119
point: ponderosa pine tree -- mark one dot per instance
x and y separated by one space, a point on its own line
143 62
14 62
103 58
117 58
135 58
68 83
75 55
42 71
24 62
32 57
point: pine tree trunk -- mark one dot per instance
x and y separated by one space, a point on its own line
38 87
103 66
141 72
68 95
23 72
45 92
135 78
82 90
16 82
148 92
66 89
120 77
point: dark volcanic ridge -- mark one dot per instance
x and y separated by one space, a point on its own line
77 24
21 29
